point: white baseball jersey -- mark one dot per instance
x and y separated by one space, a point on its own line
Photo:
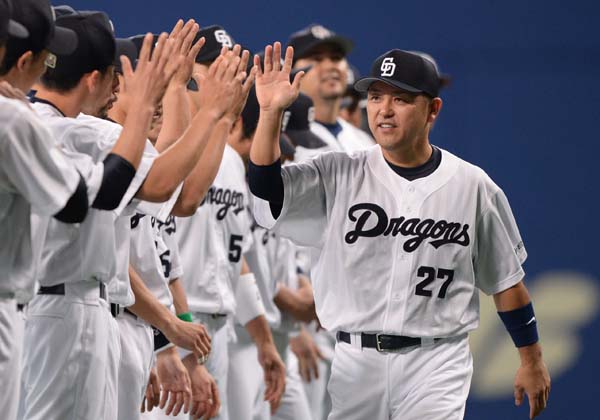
396 256
74 253
348 140
260 264
34 173
108 133
213 241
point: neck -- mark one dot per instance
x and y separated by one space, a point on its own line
69 103
327 110
14 80
409 155
117 114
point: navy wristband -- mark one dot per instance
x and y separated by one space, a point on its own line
521 325
118 174
266 182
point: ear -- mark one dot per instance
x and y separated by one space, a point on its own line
24 61
92 80
435 106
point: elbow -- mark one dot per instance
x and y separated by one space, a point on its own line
156 191
185 208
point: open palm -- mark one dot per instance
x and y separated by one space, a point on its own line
274 90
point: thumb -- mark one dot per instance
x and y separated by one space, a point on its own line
519 396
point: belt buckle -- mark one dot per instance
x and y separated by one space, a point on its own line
378 343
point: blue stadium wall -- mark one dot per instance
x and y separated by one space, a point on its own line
524 105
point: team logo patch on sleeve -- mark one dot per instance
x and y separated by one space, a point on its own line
371 221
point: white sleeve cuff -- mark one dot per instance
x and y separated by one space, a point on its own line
249 304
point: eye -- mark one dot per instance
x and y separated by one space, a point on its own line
399 100
374 97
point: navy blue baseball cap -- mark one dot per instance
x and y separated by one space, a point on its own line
8 26
404 70
215 39
307 39
296 123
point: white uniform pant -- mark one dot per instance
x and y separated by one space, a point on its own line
71 356
417 383
316 390
294 404
11 348
245 383
137 353
217 365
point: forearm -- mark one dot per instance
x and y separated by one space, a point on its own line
176 116
202 176
147 306
512 298
265 146
175 164
259 330
299 305
132 140
179 297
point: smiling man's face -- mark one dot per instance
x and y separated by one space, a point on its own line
326 80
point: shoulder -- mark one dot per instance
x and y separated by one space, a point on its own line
18 120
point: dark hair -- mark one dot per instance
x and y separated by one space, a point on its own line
15 48
63 79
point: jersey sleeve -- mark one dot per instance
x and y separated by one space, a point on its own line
36 167
499 250
303 217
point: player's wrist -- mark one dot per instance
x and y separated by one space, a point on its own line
531 355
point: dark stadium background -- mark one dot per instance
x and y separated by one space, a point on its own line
524 104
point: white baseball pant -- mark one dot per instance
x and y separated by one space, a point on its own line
316 390
417 383
137 353
245 383
11 348
71 356
217 365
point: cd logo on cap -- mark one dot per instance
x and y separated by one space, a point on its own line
320 32
388 67
223 39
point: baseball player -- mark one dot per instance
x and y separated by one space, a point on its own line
70 312
404 235
55 189
324 53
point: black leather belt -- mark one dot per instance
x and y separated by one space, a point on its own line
217 316
59 289
383 342
116 309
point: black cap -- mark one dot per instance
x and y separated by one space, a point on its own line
39 19
296 123
404 70
306 40
250 113
216 38
96 48
124 46
8 26
445 78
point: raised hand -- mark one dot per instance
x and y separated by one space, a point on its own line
274 90
238 100
224 81
184 53
533 379
146 85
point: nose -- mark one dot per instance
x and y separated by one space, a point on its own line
386 110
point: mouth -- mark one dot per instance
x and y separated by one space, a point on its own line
386 126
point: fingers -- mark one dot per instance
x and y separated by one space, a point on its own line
315 367
146 50
126 66
297 80
175 403
195 50
268 59
234 63
276 56
176 29
289 59
189 37
257 65
216 399
164 396
533 407
249 81
244 61
519 396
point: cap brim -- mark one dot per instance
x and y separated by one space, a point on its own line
362 85
344 44
286 146
63 42
15 29
305 138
